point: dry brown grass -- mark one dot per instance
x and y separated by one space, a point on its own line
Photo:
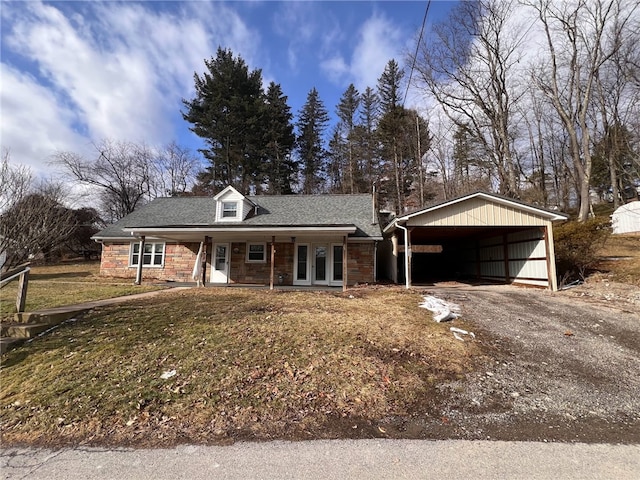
249 364
621 258
66 284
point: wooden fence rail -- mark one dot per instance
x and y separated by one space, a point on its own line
22 273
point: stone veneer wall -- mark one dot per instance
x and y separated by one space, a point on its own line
360 263
243 272
179 260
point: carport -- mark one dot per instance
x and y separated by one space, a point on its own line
477 237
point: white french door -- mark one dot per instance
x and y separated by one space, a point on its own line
318 264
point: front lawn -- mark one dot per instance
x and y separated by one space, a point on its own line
217 365
66 284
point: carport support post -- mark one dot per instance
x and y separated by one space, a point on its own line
407 256
507 274
344 264
140 261
551 257
273 258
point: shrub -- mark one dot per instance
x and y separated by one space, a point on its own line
577 245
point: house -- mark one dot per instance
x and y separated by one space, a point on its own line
479 236
282 239
333 240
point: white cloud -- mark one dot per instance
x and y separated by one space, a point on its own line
34 123
105 71
378 41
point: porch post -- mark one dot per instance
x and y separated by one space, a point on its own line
409 255
140 261
345 270
273 258
204 259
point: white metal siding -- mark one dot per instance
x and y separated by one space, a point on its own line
526 253
476 212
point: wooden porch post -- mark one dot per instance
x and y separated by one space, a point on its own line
204 260
345 270
409 253
273 258
140 261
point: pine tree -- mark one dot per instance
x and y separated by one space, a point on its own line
279 166
226 113
312 123
365 135
347 109
389 129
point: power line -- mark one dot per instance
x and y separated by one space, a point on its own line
415 56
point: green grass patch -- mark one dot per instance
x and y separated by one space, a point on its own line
66 284
248 364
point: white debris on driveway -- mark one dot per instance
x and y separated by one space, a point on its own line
442 310
458 331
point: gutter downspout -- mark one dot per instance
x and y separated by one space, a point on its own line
407 280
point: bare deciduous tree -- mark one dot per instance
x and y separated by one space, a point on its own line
469 68
33 219
128 175
581 37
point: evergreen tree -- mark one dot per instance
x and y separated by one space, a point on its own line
312 123
389 131
365 137
226 113
347 109
279 166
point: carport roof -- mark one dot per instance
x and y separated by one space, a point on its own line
487 197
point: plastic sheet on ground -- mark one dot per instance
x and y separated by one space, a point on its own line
442 310
458 332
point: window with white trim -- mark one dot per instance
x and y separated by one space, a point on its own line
256 252
153 255
229 209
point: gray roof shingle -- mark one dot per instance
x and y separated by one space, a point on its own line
276 211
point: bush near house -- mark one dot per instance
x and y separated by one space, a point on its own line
577 246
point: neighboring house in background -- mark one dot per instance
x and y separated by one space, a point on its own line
626 218
313 240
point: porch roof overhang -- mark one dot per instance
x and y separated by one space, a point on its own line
228 233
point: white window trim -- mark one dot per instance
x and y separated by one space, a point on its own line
306 281
141 256
223 210
333 282
264 252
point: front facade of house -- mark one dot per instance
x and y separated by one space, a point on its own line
235 239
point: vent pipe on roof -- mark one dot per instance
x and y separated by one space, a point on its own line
374 218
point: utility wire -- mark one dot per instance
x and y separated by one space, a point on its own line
415 56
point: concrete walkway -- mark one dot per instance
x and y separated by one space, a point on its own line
30 324
331 459
71 310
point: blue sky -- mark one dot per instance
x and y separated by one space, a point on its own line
77 72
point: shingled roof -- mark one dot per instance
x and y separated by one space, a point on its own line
272 211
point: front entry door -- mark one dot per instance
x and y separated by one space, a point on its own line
220 263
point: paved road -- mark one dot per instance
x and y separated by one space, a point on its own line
338 459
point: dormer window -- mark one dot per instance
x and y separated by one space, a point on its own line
232 206
229 209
